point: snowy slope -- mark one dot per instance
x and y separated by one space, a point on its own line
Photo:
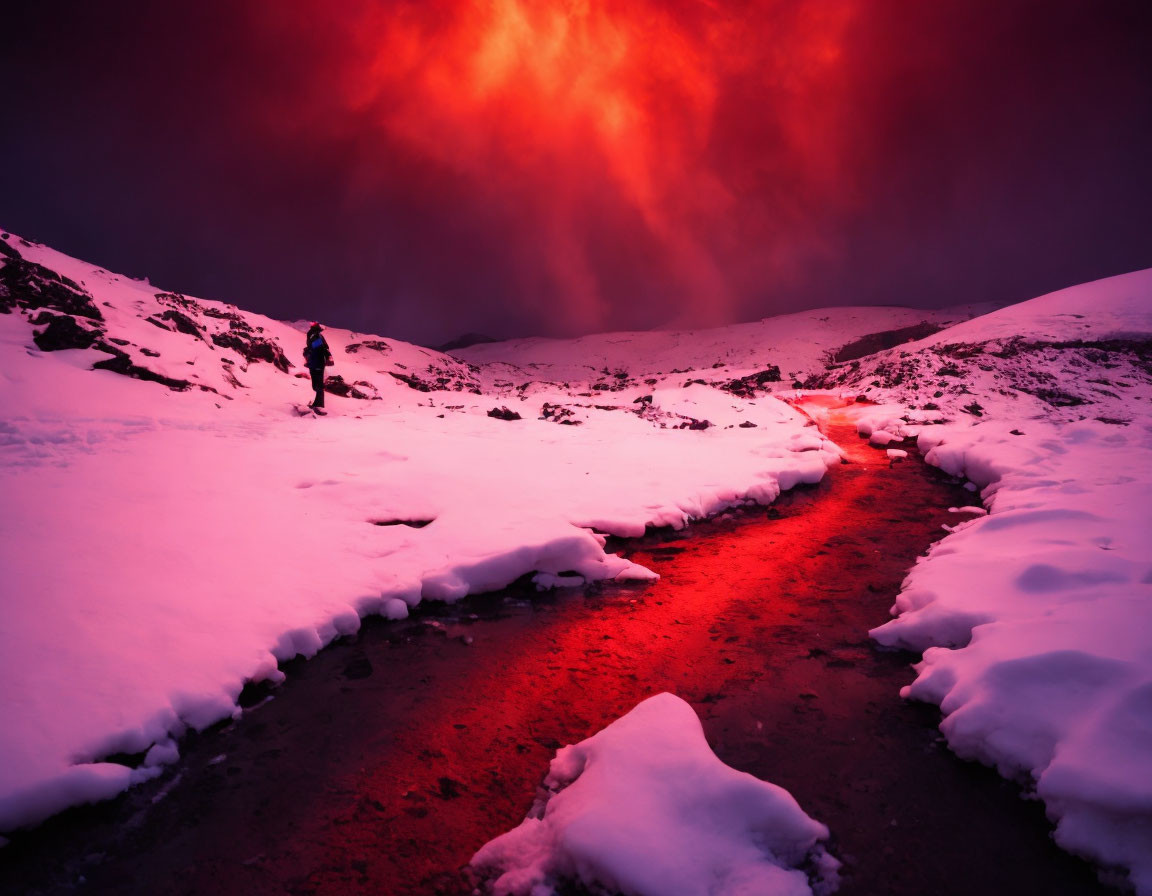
1036 619
795 344
174 529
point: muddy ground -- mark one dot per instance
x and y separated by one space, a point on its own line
387 760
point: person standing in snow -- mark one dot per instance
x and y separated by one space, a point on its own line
317 356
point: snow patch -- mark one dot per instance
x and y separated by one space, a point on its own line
644 807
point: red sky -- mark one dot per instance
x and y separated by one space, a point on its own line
532 166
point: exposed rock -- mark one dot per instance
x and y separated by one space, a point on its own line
411 382
63 332
376 345
336 385
753 384
559 414
122 364
179 321
502 413
33 286
253 348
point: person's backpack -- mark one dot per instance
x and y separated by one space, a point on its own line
317 353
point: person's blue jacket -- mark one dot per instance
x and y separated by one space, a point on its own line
316 352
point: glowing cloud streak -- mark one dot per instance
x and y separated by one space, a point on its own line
609 127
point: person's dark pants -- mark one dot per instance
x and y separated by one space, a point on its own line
318 385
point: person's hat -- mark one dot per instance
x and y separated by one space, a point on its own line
316 325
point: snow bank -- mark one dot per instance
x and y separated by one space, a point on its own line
1035 620
161 548
1049 598
645 808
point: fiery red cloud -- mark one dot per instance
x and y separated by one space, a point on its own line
552 167
680 138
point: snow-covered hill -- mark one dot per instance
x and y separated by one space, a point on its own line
793 344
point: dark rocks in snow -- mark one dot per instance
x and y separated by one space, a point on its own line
252 348
960 350
753 384
178 300
376 345
556 413
1058 398
503 413
747 424
261 349
32 286
63 332
121 363
336 385
452 378
692 423
171 319
412 382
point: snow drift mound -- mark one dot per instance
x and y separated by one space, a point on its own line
645 808
1036 620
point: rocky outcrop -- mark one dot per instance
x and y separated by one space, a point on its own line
32 287
754 384
361 389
